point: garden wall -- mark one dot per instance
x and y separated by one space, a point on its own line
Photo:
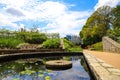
110 45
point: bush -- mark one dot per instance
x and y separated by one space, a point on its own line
36 39
9 42
51 43
75 49
32 37
68 44
97 46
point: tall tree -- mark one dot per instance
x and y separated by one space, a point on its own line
96 26
116 17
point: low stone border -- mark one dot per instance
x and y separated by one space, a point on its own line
101 70
14 51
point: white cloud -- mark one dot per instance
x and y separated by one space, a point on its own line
6 22
111 3
57 15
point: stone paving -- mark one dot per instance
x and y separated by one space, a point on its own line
102 70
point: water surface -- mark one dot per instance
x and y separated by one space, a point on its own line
34 69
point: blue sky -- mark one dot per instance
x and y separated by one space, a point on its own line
62 16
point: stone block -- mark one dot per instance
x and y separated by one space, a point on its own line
114 71
106 65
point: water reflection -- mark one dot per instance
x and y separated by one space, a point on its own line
34 69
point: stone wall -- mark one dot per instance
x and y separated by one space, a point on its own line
110 45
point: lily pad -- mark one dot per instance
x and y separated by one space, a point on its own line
49 71
47 78
28 72
41 75
40 71
22 72
16 79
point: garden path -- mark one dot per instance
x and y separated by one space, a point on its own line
110 58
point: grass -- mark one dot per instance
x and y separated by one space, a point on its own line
75 49
97 46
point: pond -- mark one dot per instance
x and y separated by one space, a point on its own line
35 69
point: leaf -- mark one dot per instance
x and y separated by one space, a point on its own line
16 79
47 78
41 75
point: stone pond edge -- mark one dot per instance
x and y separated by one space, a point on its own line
100 69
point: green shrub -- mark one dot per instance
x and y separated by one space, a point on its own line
68 44
36 39
9 42
75 49
97 46
51 43
32 37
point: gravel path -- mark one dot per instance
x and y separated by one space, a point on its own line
110 58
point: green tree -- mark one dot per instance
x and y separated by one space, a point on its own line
116 17
96 26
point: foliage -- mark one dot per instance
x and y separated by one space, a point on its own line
68 44
4 31
116 15
97 46
32 37
9 42
98 24
115 34
51 43
75 49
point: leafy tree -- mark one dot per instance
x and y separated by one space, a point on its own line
114 34
96 26
116 17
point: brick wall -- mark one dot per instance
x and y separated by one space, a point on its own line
110 45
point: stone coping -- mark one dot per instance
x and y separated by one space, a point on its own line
14 51
100 69
15 56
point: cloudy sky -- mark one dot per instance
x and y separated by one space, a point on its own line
63 16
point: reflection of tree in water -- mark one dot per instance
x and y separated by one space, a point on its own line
75 58
84 64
